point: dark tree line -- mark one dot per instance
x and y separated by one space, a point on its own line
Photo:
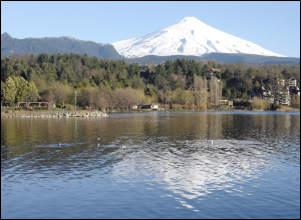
173 79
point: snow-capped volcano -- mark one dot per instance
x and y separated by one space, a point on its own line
188 37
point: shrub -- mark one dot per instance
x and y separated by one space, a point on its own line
59 104
274 106
202 107
296 101
259 104
69 107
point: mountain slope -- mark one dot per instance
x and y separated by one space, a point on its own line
11 46
251 58
188 37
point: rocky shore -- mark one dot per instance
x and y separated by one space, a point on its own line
51 114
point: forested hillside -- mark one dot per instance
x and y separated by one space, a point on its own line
11 46
112 84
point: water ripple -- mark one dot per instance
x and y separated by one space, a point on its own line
174 165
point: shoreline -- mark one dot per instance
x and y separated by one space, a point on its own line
52 113
93 113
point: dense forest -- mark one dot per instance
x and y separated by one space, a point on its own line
109 84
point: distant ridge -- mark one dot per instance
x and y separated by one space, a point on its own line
11 46
251 58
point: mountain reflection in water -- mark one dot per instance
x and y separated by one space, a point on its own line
181 164
195 168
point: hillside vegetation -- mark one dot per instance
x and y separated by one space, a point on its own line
104 83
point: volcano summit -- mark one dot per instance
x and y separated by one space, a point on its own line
188 37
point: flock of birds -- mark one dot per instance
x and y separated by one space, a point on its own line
122 147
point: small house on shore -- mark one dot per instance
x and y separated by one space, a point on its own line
226 103
146 106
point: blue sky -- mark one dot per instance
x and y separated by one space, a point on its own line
272 25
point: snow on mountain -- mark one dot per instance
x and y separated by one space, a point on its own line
188 37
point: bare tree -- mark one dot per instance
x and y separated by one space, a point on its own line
200 90
215 92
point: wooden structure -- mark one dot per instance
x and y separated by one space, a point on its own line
225 103
146 106
39 104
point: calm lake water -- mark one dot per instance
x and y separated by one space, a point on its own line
173 165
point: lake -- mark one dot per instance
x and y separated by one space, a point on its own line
152 165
